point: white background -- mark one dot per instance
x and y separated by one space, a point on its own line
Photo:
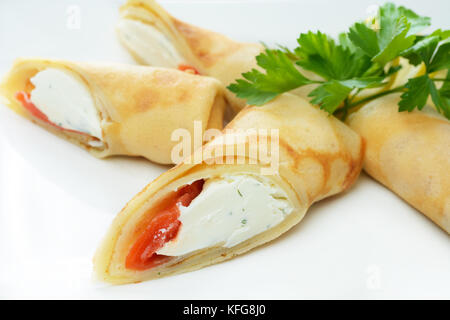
56 201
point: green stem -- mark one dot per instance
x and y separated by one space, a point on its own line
440 79
342 113
375 96
356 93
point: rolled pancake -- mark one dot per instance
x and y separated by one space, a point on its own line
156 38
409 153
114 109
319 156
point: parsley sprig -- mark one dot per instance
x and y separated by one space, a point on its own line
362 58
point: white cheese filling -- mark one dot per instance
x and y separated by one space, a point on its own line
148 43
66 101
228 211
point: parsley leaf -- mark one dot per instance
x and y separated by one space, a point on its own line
389 14
445 89
393 38
419 89
365 38
441 59
345 41
433 50
398 27
416 95
331 95
246 90
281 76
422 51
289 53
418 23
444 93
396 33
439 101
360 59
435 54
319 53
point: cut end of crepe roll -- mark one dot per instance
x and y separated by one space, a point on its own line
56 97
212 218
222 211
148 44
156 38
114 109
145 32
201 213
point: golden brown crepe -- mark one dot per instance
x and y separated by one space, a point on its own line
170 42
409 153
319 156
139 107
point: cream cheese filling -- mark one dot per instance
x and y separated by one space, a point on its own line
228 211
67 102
148 43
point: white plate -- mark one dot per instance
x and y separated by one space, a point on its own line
56 201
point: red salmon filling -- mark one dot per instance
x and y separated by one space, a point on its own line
24 98
187 68
162 228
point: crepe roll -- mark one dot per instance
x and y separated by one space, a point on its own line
113 109
156 38
409 153
204 212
